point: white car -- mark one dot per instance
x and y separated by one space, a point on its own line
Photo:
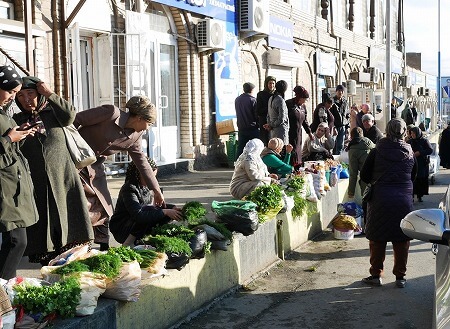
432 225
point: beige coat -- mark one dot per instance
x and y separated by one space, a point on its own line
104 129
247 176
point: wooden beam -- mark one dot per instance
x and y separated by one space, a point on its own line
75 11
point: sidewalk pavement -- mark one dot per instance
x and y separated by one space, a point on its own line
204 186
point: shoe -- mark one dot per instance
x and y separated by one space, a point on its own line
400 283
373 281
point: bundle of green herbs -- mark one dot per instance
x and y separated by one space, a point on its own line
193 211
108 264
60 298
149 257
266 197
294 184
168 244
173 230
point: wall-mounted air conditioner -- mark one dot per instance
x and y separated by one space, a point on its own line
285 58
360 76
374 74
351 87
211 34
254 16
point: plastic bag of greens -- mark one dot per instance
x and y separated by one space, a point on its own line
237 215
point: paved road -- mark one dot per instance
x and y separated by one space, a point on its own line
318 286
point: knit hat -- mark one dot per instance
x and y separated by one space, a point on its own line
340 87
396 129
9 78
248 87
301 92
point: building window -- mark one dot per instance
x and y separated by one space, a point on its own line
6 10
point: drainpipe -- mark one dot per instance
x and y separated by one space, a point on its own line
55 43
339 41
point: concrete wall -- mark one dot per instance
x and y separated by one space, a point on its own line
167 300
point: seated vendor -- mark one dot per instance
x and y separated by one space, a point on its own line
250 171
135 215
272 158
321 146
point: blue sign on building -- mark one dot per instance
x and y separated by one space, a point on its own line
281 34
220 9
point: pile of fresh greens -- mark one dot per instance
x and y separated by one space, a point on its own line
293 187
60 299
266 197
108 264
193 211
149 257
168 244
173 230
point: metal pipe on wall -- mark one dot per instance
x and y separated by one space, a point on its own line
388 74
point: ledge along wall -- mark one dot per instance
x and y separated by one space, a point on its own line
165 301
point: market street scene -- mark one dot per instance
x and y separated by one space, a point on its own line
224 164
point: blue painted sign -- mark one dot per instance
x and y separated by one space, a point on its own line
226 75
281 34
220 9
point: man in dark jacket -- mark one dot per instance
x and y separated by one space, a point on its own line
262 106
247 120
341 115
370 130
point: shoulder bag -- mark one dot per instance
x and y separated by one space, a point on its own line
81 153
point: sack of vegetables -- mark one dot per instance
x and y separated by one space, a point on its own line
237 215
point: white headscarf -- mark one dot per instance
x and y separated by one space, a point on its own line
252 151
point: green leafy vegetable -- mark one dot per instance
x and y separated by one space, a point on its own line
266 197
168 244
61 298
148 257
173 230
126 254
193 211
107 264
295 183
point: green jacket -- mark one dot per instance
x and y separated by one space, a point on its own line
357 154
17 206
274 164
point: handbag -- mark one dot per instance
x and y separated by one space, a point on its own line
80 151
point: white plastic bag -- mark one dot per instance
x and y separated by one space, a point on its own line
125 286
92 286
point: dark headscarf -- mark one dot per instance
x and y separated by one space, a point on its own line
396 129
417 131
9 78
281 87
31 83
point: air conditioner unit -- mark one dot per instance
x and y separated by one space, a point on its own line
351 87
374 74
211 34
254 16
360 76
405 81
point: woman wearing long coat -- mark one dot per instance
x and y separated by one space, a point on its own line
392 167
17 205
422 150
277 115
108 130
297 119
63 214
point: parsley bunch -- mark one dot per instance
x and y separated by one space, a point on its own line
168 244
266 197
61 298
193 211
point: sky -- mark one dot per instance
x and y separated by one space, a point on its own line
421 33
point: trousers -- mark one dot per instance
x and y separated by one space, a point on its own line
14 243
378 255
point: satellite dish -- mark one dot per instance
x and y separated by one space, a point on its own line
216 34
259 17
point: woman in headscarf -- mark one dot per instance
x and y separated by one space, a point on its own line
134 215
391 168
17 205
272 158
250 171
109 130
422 150
63 215
262 105
277 115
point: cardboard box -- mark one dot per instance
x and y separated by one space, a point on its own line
226 126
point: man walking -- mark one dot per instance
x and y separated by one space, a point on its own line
247 119
341 115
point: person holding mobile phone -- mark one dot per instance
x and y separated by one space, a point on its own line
17 205
63 211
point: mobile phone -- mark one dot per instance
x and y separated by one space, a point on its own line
32 125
